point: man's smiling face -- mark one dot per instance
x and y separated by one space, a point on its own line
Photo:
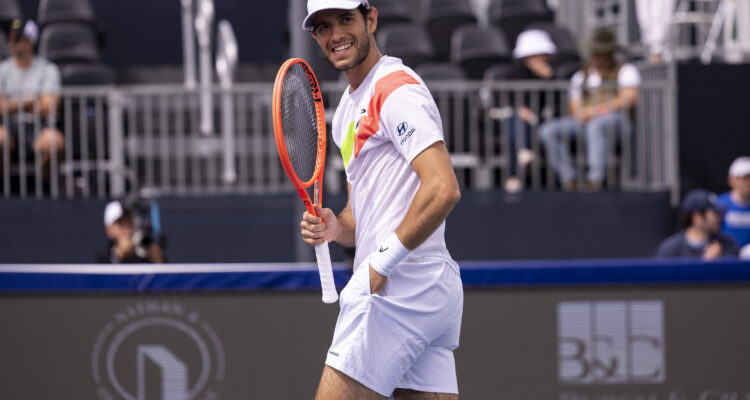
343 37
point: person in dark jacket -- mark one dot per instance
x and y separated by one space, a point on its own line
702 237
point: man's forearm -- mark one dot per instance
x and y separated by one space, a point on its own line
436 196
8 106
346 228
430 207
625 99
155 255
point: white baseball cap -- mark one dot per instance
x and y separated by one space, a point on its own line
740 168
112 212
533 42
314 6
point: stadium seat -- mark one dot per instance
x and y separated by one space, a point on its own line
567 70
409 42
442 17
567 51
391 12
475 48
51 11
9 10
514 16
69 42
86 74
499 72
4 50
441 72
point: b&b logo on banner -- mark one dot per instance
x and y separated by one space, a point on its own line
611 342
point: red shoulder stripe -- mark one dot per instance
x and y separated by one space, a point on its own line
370 123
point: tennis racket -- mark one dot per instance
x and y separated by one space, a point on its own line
299 126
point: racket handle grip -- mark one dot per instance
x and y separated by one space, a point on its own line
326 273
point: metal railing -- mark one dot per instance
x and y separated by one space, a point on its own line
688 31
123 139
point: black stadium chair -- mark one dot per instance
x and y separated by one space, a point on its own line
442 17
52 11
568 69
475 49
441 71
4 50
66 42
9 10
409 42
391 12
514 16
86 74
499 72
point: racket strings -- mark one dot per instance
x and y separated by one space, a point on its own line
299 122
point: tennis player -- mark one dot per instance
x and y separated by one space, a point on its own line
401 311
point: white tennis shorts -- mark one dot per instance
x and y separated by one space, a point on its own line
403 337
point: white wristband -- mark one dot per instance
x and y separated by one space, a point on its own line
388 255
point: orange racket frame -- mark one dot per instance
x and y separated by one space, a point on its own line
321 250
278 129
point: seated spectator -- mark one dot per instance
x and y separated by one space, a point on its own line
702 237
737 202
533 49
601 103
28 85
128 243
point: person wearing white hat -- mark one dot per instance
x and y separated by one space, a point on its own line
29 84
533 50
737 202
401 311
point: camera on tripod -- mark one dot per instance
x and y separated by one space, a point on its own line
144 214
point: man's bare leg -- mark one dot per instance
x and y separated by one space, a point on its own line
408 394
335 385
49 140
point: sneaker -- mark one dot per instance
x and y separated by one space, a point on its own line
513 185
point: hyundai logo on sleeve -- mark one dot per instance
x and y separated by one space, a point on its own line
401 128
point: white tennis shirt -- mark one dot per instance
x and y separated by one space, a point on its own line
380 128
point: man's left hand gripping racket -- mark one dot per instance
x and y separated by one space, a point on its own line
299 125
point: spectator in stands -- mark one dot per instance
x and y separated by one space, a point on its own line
702 237
533 49
601 102
127 244
28 84
654 18
737 202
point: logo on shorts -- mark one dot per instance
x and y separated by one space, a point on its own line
157 350
382 249
611 342
401 128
